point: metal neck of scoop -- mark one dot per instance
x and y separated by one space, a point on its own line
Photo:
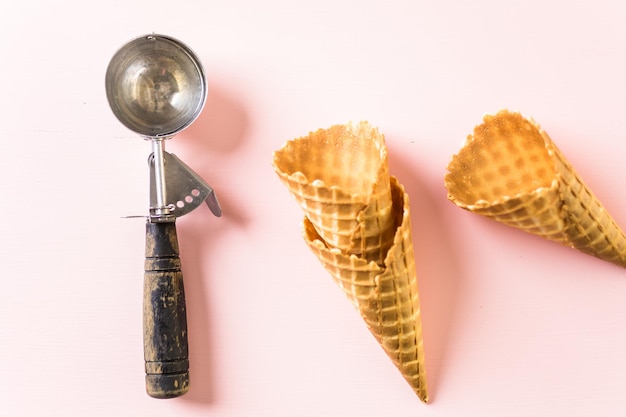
161 212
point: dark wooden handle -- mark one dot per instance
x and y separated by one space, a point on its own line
164 314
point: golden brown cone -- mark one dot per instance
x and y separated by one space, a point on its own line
386 297
511 171
357 223
340 178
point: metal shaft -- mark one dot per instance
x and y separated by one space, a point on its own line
161 208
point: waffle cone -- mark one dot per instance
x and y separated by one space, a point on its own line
387 296
357 223
511 171
340 178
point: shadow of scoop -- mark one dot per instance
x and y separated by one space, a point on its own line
220 127
208 145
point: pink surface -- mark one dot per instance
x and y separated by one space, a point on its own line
513 325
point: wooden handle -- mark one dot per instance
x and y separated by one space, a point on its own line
164 314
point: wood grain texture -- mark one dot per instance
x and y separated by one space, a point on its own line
164 314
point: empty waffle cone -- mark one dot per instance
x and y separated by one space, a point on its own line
340 178
387 296
511 171
347 201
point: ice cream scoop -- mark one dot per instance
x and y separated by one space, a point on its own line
156 87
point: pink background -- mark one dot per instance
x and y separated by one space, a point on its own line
513 325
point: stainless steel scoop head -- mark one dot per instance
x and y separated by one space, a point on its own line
155 86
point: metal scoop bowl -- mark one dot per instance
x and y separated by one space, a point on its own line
156 86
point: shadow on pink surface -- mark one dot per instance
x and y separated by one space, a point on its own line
220 128
438 267
219 131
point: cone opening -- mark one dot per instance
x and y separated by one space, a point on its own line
347 156
506 156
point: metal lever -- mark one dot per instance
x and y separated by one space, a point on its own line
186 190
